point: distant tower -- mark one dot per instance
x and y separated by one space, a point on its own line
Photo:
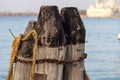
112 3
111 0
98 1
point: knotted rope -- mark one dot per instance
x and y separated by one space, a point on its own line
15 46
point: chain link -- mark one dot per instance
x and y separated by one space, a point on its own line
52 60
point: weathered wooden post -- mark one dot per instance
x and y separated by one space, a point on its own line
51 51
75 35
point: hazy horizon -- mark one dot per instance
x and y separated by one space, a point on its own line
34 5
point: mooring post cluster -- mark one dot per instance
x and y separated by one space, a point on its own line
61 43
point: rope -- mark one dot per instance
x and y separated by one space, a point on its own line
15 46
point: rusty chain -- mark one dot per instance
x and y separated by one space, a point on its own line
52 60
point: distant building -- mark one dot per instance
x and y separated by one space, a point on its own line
107 8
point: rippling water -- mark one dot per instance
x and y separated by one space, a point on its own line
103 48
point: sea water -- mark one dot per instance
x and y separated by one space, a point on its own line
103 47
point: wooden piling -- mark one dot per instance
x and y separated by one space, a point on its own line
75 35
60 50
51 42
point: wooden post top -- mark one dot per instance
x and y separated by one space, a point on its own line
49 29
48 11
73 25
